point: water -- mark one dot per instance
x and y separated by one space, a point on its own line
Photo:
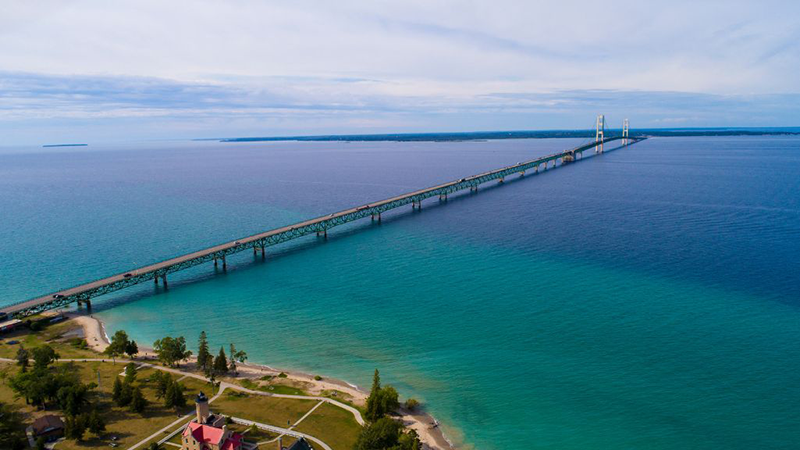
644 299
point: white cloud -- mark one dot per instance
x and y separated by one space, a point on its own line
432 56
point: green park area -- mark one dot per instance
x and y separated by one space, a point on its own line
107 399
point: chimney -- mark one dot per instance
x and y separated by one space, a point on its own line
201 402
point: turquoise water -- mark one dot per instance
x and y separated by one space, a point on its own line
647 298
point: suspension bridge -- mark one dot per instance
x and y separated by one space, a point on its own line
258 243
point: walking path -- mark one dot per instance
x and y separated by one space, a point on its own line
223 385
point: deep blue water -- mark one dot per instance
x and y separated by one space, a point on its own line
647 298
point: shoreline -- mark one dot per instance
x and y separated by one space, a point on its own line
426 426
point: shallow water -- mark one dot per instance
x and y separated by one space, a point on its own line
647 298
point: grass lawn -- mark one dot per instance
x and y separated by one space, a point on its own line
51 335
263 409
128 427
273 387
333 425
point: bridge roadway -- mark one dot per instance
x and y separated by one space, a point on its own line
259 242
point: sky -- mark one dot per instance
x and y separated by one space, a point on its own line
96 71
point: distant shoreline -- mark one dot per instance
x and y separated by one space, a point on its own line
495 135
64 145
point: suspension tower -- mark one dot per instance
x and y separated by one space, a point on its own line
625 132
600 133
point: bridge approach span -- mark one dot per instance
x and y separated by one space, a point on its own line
259 242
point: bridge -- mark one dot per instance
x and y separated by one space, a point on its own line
259 242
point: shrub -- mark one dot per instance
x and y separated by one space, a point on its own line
282 375
317 377
411 404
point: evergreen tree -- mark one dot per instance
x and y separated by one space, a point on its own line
236 356
203 355
175 398
96 423
163 382
221 362
138 402
75 427
12 429
130 373
373 412
116 392
23 358
125 395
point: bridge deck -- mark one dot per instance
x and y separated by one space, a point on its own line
320 224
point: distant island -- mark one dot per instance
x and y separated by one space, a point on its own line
541 134
65 145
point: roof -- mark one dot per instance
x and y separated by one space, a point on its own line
213 435
204 433
47 423
301 444
9 323
233 443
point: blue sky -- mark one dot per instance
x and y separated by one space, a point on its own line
91 71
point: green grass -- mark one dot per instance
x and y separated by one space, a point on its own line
51 335
333 425
272 388
263 409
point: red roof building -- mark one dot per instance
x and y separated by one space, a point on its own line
198 436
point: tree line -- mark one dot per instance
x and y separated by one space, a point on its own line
41 385
382 432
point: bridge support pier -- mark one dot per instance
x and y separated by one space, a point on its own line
501 180
323 233
378 216
473 188
155 279
263 252
164 279
224 263
442 197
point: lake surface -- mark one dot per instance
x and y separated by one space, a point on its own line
646 298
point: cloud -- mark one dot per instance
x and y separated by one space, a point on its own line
306 66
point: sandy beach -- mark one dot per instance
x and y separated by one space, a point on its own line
424 424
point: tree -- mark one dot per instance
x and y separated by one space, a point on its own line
75 427
381 434
23 358
125 395
72 398
119 343
203 355
388 400
221 362
116 392
12 429
96 422
130 373
171 350
41 443
236 356
131 349
163 381
373 401
138 402
44 356
175 398
381 400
